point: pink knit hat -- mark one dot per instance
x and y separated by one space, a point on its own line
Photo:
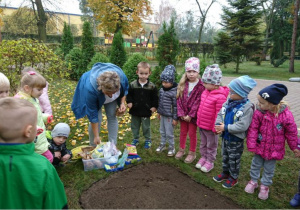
192 63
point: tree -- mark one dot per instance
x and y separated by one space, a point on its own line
241 21
203 18
294 36
88 16
222 48
67 39
87 44
118 53
120 15
164 12
41 19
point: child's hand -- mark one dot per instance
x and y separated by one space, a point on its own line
153 109
50 119
129 105
174 123
65 158
57 154
297 152
219 128
187 118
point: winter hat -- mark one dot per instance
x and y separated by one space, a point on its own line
61 129
212 75
168 74
192 64
274 93
242 85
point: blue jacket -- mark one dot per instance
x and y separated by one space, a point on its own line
87 100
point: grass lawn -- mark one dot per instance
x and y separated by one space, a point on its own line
76 180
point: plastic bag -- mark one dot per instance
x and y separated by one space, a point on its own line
109 150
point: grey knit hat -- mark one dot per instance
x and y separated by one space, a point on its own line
168 74
212 75
61 129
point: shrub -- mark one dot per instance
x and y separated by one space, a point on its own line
67 39
155 76
98 57
87 44
118 53
278 62
16 54
74 62
130 66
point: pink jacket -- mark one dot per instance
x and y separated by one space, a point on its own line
211 103
44 101
267 134
189 105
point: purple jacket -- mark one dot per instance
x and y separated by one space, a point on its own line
267 134
189 105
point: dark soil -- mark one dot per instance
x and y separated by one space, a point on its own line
152 186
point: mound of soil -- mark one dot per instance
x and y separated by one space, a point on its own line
152 186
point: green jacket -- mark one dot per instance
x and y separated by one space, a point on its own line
28 180
41 143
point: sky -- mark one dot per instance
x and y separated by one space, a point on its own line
181 6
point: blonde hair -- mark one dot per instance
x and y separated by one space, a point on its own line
144 65
276 108
4 81
181 85
109 81
33 80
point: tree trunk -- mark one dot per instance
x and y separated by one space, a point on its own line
41 21
268 25
294 36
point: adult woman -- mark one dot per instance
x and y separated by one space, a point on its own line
105 84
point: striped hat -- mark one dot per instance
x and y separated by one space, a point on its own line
242 85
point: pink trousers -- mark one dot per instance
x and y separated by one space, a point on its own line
191 129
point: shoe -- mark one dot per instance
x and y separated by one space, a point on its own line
161 148
251 186
222 176
295 202
191 157
171 152
230 183
263 192
200 163
147 144
207 167
135 142
180 154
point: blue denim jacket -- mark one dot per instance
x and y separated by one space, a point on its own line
87 100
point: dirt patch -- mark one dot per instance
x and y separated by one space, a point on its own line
152 186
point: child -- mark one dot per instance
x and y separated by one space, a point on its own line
188 97
58 147
272 123
32 84
142 100
27 180
233 120
44 98
167 109
212 100
295 202
4 86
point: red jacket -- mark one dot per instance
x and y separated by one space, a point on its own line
211 103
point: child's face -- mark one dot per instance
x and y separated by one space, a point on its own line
192 75
59 140
167 84
143 74
36 92
4 91
234 96
209 86
263 104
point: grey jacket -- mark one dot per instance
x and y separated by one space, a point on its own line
167 105
242 120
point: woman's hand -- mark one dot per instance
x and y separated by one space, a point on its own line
97 140
122 108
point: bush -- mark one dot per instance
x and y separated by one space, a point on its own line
17 54
74 62
155 76
130 66
98 57
118 53
67 39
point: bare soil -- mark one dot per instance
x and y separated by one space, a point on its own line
152 186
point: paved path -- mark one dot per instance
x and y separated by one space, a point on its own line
293 97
